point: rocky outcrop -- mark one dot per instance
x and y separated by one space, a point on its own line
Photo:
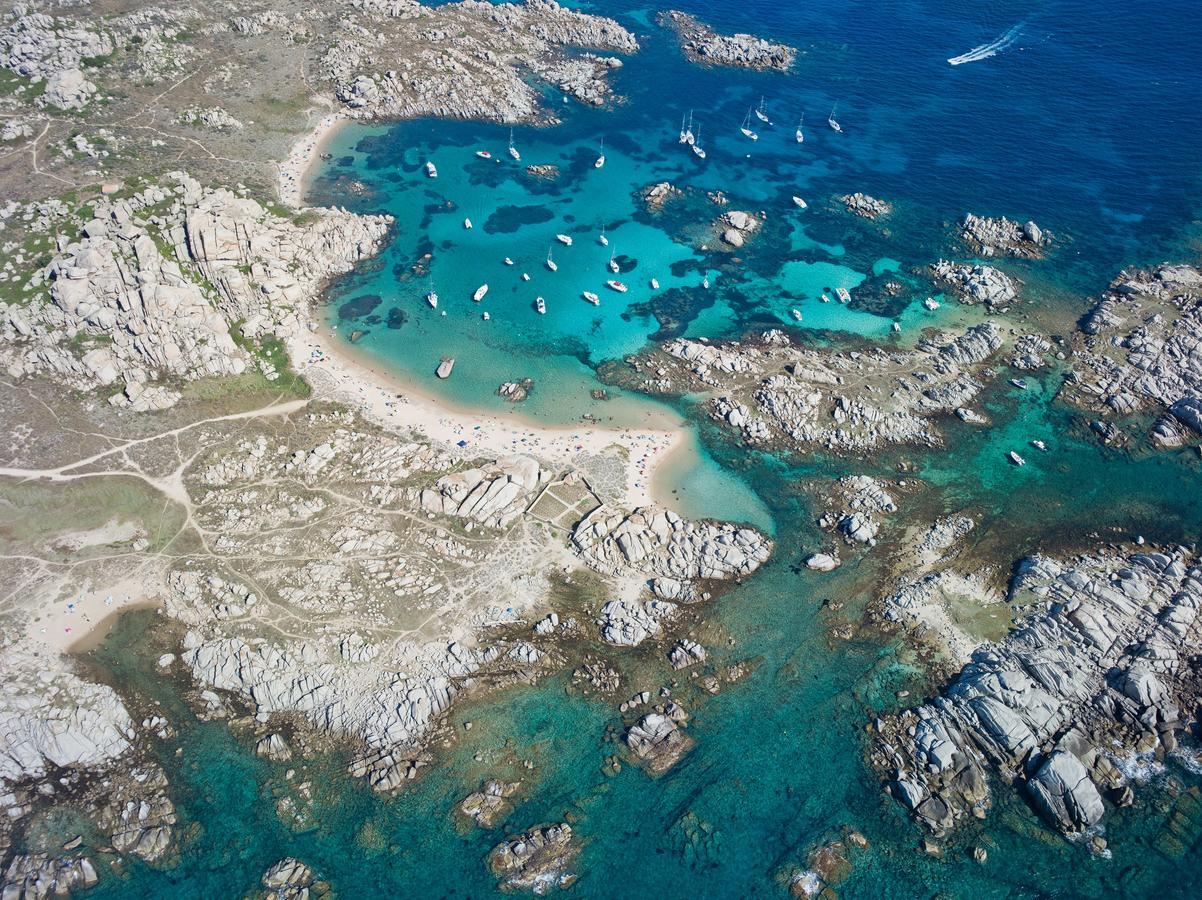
37 875
627 623
973 283
657 542
1095 673
864 206
1142 351
151 287
539 860
655 196
775 392
288 879
494 495
490 804
52 49
1002 237
657 740
702 44
735 227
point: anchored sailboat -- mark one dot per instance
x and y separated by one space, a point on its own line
603 240
432 296
831 121
746 127
613 262
551 262
513 151
601 158
799 134
761 113
697 151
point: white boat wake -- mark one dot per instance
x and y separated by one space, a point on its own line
993 48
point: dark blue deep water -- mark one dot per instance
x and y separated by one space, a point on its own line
1089 121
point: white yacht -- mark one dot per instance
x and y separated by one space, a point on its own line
484 154
592 298
513 151
540 306
600 158
832 121
603 240
612 265
799 135
842 294
761 113
467 224
551 262
508 261
1039 445
684 132
655 284
705 282
746 127
931 303
564 239
616 286
480 292
431 172
799 203
796 314
1016 459
432 298
525 276
697 151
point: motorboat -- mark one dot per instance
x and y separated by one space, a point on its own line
799 203
1016 459
564 239
592 298
843 295
484 154
480 292
431 172
616 286
540 306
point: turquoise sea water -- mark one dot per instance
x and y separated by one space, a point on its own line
1088 123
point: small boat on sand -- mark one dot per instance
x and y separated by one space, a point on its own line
445 367
1016 459
799 203
616 286
592 298
484 154
480 292
431 172
564 239
540 306
931 303
655 284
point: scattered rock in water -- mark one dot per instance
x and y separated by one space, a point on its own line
291 879
990 237
273 747
657 195
490 804
546 172
538 860
686 653
736 227
822 562
657 741
515 391
865 206
974 283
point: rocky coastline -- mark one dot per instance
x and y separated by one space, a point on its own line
703 45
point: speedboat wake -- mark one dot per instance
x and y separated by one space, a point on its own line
993 48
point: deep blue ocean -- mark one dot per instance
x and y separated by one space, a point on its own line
1087 119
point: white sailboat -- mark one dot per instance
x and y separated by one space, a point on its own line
613 263
761 113
603 240
697 151
592 298
513 151
831 121
655 284
467 224
799 134
746 127
601 157
432 297
684 133
480 292
540 306
551 262
690 136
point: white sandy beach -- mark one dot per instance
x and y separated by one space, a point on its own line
295 168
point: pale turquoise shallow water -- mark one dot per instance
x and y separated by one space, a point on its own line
1077 125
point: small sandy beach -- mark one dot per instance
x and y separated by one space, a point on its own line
294 170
